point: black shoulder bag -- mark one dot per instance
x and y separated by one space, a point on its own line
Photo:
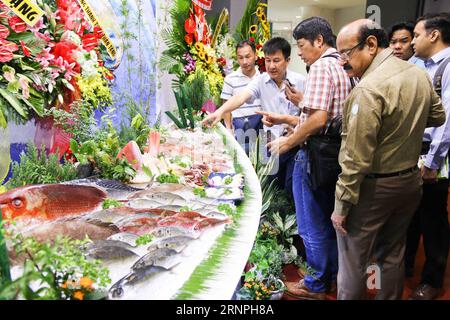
323 152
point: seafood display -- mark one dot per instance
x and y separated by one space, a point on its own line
176 204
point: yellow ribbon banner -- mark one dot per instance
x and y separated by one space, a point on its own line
93 18
27 10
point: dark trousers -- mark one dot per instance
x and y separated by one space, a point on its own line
431 222
377 228
247 130
283 171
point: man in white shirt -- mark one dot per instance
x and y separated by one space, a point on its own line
244 118
275 96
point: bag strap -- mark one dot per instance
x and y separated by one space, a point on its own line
437 80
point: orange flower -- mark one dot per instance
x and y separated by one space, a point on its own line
78 295
86 282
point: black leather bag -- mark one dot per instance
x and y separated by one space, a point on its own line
323 156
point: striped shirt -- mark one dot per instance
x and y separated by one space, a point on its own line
327 87
235 83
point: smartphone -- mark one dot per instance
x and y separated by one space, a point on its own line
288 83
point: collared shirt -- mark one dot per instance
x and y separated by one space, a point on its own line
417 61
235 83
384 119
273 98
327 87
439 137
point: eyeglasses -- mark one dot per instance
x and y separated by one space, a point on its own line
345 54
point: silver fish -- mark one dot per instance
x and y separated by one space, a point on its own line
117 290
125 237
178 243
110 249
126 219
153 262
156 257
174 231
115 189
217 215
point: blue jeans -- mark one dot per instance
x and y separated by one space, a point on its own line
313 210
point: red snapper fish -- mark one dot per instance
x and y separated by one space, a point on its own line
50 201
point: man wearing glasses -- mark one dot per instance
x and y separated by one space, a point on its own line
327 87
379 188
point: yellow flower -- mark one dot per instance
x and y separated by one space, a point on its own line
202 55
209 59
263 18
253 29
78 295
259 11
199 46
86 282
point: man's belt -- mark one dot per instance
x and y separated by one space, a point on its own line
393 174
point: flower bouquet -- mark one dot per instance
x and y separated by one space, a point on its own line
191 55
52 64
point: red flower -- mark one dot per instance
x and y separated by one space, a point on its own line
251 39
6 50
258 47
5 55
98 32
64 49
17 24
4 32
25 50
189 38
8 45
189 25
89 41
63 4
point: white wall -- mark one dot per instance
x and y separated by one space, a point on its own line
345 15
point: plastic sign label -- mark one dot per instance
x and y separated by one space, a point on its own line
27 10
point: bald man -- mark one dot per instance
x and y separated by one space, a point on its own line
380 186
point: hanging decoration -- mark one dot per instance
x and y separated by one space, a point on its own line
190 55
204 4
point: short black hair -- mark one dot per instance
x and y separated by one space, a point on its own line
373 30
404 25
278 44
244 43
311 28
439 21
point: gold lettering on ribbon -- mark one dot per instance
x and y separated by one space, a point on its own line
27 10
93 18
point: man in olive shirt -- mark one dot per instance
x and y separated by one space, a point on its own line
380 187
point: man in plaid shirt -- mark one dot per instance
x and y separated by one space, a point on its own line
327 87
